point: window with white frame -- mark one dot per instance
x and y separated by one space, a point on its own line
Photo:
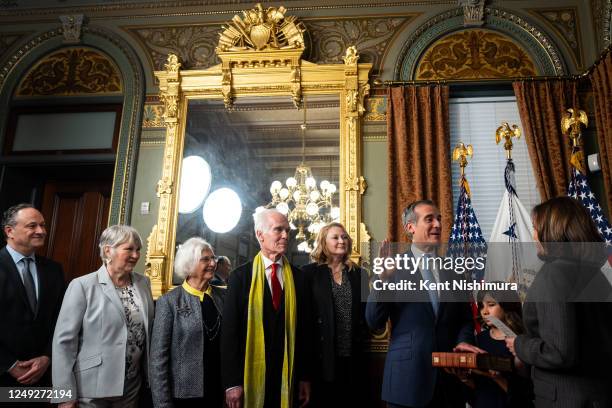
474 121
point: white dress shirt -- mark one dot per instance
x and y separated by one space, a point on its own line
17 257
279 271
417 253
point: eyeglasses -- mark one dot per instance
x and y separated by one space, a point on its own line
208 259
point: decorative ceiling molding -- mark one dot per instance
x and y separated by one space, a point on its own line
72 71
565 22
542 50
474 54
155 8
370 35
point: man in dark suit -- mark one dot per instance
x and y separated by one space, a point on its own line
224 267
31 292
282 300
421 322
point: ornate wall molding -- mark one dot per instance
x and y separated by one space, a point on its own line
371 35
564 21
194 44
544 53
8 39
72 71
133 95
601 11
327 40
474 54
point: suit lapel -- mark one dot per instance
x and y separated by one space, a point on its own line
13 276
108 288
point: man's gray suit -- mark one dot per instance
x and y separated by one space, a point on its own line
177 346
90 336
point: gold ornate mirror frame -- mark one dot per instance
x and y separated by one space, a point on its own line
261 56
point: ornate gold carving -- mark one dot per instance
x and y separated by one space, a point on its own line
371 35
72 71
506 133
571 122
473 54
356 184
460 153
195 45
564 20
164 186
259 30
243 78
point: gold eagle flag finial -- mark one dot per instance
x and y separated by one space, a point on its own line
506 132
461 153
571 122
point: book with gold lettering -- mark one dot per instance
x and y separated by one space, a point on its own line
471 360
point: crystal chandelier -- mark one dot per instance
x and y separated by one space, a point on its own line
307 207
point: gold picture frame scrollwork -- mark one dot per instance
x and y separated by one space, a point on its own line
257 67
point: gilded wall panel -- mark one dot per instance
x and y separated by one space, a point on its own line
72 71
564 21
474 54
195 45
372 36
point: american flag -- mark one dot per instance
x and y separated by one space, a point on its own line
466 241
580 190
466 238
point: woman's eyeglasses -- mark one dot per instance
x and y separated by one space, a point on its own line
209 258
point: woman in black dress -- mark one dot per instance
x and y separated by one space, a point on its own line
336 285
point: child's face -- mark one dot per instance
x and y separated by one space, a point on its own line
491 308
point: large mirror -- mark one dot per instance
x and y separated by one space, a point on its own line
262 153
240 123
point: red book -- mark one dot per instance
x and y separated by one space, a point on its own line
471 360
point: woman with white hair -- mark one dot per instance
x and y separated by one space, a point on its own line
185 347
101 339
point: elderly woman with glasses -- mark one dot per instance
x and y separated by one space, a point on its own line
185 361
101 339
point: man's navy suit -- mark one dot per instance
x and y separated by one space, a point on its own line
25 334
416 331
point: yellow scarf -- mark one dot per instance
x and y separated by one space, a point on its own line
255 358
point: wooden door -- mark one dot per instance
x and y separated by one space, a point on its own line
76 213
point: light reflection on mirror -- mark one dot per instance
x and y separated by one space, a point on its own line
195 183
249 147
222 210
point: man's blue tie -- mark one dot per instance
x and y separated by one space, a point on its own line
428 275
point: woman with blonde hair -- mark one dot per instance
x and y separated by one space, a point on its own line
337 289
